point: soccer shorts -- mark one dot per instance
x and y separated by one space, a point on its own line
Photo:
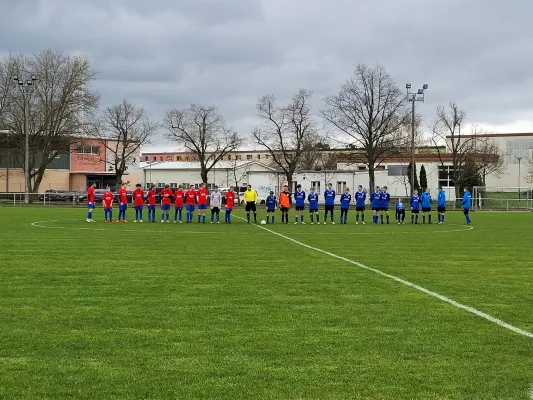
415 211
360 208
123 207
229 209
313 209
384 209
190 207
152 207
465 211
178 208
284 209
329 207
299 208
441 209
90 206
344 209
107 209
250 206
271 210
202 206
426 209
215 210
376 208
137 208
165 207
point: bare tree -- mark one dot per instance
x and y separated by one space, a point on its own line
368 111
488 157
447 129
202 130
285 131
52 115
122 130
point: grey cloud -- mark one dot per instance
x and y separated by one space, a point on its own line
167 53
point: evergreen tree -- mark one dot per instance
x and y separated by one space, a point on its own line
409 174
423 179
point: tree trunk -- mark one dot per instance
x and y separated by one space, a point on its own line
203 174
288 175
118 180
371 177
458 196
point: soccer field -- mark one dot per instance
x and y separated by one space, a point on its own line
157 311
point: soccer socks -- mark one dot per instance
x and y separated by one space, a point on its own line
381 217
362 217
387 218
218 218
248 216
412 218
272 218
136 215
89 215
416 219
442 218
203 219
429 218
375 219
111 215
255 217
301 218
423 219
296 219
311 216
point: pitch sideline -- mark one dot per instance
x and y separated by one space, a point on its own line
407 283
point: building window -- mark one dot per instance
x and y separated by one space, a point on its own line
149 185
259 156
169 158
361 168
316 185
178 158
94 150
173 185
161 185
249 156
161 158
147 158
445 176
341 186
238 157
397 170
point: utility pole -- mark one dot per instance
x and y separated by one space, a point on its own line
413 97
26 90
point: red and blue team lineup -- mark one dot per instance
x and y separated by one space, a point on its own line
194 199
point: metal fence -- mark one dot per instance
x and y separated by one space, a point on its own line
502 198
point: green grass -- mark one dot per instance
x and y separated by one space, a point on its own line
152 311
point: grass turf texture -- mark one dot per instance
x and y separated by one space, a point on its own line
158 311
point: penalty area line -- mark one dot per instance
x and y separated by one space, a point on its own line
436 295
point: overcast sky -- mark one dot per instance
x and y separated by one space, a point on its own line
170 53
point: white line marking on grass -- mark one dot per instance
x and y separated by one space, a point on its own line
38 224
407 283
530 392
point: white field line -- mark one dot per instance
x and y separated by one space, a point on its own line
407 283
530 392
39 224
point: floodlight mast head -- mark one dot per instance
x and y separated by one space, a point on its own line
408 86
425 86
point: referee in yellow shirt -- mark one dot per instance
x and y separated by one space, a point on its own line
250 197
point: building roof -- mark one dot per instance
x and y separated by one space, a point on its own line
494 135
226 165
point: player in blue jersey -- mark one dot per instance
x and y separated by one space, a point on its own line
360 198
425 199
467 203
385 198
329 203
271 203
415 207
299 201
441 204
375 202
346 199
313 205
400 212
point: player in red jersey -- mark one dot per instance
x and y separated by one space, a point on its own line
179 196
201 194
138 202
107 200
190 201
151 197
123 203
166 199
90 202
230 203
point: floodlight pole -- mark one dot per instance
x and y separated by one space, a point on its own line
26 90
412 97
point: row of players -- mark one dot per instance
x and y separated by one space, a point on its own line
379 201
